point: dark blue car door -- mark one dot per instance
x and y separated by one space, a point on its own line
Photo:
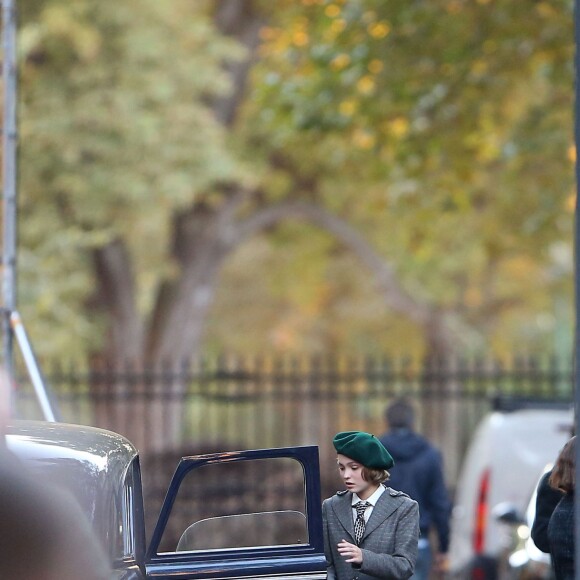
241 514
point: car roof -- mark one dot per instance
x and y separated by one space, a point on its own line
81 458
90 463
40 439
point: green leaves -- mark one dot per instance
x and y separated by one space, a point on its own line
440 130
116 131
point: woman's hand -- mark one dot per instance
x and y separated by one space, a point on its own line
350 552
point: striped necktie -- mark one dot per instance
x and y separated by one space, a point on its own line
359 523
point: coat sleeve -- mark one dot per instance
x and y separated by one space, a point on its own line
401 563
330 570
439 503
547 499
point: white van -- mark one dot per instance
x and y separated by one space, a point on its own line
507 455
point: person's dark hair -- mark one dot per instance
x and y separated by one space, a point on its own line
374 475
564 474
400 414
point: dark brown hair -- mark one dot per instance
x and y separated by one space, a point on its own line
400 414
564 474
374 475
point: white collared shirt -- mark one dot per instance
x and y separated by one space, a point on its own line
372 500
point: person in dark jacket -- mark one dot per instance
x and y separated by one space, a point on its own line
547 499
561 527
418 472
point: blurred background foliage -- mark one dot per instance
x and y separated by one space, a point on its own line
194 176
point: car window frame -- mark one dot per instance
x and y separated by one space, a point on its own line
132 517
298 558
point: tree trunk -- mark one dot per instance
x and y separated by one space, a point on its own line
203 239
116 292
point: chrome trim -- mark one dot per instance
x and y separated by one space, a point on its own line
313 576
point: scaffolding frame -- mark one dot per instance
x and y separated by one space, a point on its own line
13 330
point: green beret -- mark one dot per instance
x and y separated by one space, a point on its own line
364 448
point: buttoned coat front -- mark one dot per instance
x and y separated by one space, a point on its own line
389 542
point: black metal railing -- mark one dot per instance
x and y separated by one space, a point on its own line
231 403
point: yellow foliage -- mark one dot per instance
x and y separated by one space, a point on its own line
348 108
340 61
454 7
332 11
369 16
473 297
489 46
269 33
399 126
461 200
379 29
572 153
545 10
541 58
87 41
366 85
479 67
275 41
320 299
375 66
489 149
300 38
447 69
363 139
521 267
284 337
571 203
337 26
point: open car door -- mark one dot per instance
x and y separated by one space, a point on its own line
241 514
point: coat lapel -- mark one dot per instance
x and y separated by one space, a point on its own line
343 510
385 507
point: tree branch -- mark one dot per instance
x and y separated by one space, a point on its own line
393 293
241 21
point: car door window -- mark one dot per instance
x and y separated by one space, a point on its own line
249 514
224 506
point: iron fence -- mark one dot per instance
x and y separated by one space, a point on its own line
232 403
235 401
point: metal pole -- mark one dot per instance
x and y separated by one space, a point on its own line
12 327
577 284
33 368
9 192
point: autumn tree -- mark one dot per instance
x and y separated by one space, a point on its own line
429 142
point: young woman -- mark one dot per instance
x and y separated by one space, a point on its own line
370 530
561 526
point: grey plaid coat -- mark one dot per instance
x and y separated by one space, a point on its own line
389 543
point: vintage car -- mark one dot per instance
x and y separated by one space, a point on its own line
223 539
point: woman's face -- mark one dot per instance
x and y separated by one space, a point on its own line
351 473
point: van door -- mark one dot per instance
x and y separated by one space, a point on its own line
242 514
